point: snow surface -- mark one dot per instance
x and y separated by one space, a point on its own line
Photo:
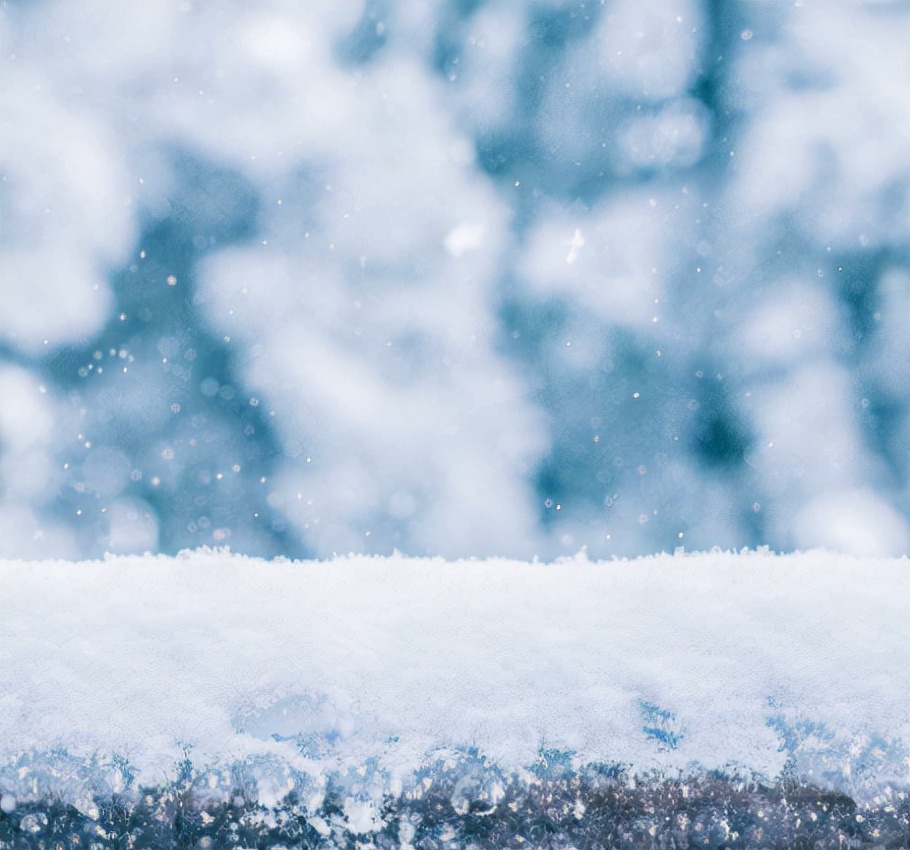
487 279
712 659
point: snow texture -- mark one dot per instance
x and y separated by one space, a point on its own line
474 279
730 661
454 278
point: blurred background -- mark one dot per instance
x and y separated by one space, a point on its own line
462 278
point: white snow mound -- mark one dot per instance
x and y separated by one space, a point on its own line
658 662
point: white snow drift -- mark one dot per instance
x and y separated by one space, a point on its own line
323 665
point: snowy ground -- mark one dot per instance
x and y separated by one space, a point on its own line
718 660
484 279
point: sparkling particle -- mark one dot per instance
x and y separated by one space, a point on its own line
33 822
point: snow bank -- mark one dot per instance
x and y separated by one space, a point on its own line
768 663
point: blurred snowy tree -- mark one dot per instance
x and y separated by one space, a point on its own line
466 278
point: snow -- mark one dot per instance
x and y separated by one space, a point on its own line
464 290
354 276
710 659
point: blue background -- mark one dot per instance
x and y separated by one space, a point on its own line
468 279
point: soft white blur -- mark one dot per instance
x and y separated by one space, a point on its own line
692 245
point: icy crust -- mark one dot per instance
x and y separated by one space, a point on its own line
331 691
461 799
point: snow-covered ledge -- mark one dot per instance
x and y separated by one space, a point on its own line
719 660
